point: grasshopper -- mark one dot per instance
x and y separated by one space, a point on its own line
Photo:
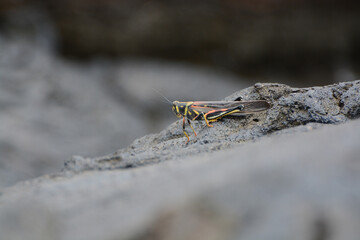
211 111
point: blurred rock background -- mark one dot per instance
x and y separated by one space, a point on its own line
78 77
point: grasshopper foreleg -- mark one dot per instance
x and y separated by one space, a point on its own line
188 139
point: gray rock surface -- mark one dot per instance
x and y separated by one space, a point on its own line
288 175
51 109
290 107
303 185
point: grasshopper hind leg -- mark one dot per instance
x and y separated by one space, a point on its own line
206 120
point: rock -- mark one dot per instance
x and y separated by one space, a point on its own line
332 104
292 173
302 184
51 108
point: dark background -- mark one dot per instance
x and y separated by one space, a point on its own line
78 76
300 40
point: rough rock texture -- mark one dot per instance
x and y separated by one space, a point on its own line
299 184
291 107
51 109
292 172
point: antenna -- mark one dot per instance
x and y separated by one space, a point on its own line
167 100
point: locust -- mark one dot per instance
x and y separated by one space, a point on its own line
211 111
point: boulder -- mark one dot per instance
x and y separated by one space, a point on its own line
293 173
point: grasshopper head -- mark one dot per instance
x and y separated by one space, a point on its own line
177 109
